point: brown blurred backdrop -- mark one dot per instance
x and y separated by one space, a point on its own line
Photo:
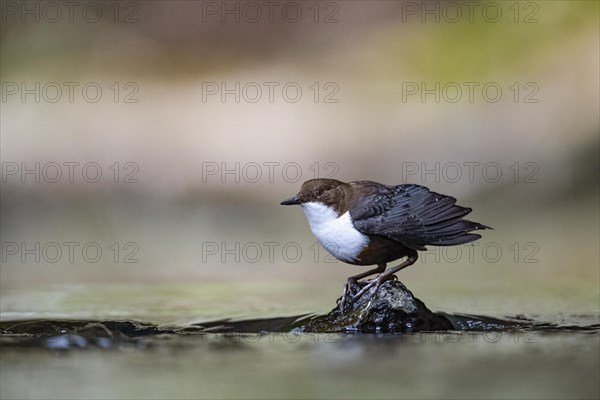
202 116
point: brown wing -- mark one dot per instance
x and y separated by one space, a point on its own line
415 216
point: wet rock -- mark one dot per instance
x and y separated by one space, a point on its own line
68 334
393 309
480 323
65 341
277 324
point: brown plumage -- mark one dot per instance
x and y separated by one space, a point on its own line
395 221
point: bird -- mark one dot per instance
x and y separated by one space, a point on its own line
368 223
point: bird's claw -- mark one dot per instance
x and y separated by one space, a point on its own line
342 300
374 282
377 282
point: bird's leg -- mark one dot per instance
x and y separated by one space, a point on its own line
354 279
384 276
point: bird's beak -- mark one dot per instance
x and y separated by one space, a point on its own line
291 201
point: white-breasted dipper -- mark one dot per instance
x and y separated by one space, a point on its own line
368 223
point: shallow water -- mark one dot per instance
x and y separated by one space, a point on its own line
550 362
550 366
556 360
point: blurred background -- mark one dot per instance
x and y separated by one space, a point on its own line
146 147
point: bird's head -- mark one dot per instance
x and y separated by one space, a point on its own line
329 192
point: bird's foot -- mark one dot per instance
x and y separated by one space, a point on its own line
377 282
345 291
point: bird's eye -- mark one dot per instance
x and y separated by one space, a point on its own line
319 192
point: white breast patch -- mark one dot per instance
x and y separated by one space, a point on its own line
336 234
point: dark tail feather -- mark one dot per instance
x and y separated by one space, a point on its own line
443 225
434 219
457 232
461 239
